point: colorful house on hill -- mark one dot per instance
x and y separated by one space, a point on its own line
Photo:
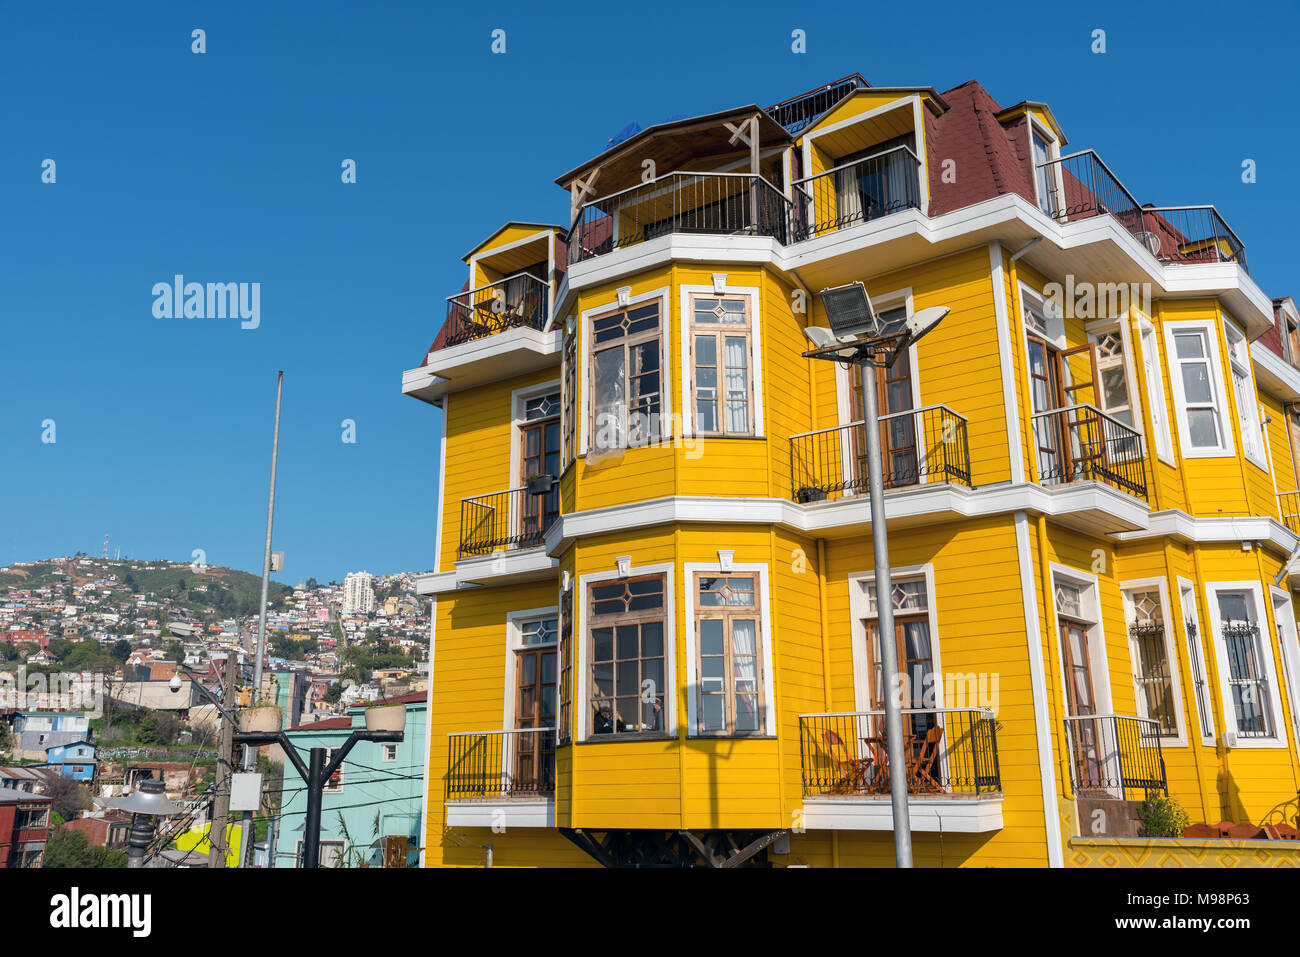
371 811
655 631
75 760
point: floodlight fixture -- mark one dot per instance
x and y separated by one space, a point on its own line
848 308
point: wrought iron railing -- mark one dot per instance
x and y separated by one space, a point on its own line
719 203
518 300
947 751
488 764
1116 754
1247 681
1080 185
514 518
918 447
857 192
797 113
1191 234
1288 509
1080 443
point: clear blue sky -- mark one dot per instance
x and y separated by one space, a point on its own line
225 167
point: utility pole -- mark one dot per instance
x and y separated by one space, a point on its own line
250 753
221 803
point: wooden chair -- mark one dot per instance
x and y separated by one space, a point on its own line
921 775
850 771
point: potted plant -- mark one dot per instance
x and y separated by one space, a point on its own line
1161 816
265 717
386 717
539 483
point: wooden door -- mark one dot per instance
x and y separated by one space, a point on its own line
1047 394
539 454
1081 703
534 754
899 456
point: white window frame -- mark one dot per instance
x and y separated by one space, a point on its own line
514 643
860 585
384 752
1263 620
1159 585
690 572
1157 400
1245 395
1053 143
685 321
582 659
1218 392
665 370
1196 657
518 402
329 756
1289 645
1091 616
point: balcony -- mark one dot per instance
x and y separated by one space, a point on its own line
1115 756
1082 444
518 301
919 447
857 192
501 777
504 521
954 782
1080 186
725 204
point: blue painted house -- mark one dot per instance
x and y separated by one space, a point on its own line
378 792
75 760
37 731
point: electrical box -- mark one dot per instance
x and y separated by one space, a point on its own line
245 791
277 561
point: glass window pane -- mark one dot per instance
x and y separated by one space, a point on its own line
711 637
1203 428
652 639
1189 345
1196 382
711 707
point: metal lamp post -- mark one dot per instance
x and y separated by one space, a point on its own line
315 773
858 336
146 804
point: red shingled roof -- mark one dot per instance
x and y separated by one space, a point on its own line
329 724
991 159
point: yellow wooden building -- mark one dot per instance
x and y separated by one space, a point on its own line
654 634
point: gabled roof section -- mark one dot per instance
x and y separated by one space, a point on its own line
1040 110
677 142
934 103
539 227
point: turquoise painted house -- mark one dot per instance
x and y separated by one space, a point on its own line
377 794
75 760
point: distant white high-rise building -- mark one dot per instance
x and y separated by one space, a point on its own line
358 593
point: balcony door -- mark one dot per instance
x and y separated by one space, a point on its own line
539 454
899 454
535 697
875 181
1081 704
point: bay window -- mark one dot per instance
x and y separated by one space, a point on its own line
1198 390
721 338
626 626
729 649
626 378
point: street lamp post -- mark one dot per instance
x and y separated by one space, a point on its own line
315 773
146 804
858 336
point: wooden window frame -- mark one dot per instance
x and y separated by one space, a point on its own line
569 400
720 332
564 652
627 342
639 618
1152 634
726 614
1244 395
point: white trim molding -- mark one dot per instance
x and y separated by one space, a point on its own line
926 814
1263 616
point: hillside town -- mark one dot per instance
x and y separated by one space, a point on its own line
114 672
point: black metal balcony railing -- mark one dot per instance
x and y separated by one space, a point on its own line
515 518
797 113
1288 509
918 447
947 750
720 203
1191 234
857 192
1080 186
488 764
1115 754
1080 443
519 300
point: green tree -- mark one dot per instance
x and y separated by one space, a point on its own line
68 848
67 797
